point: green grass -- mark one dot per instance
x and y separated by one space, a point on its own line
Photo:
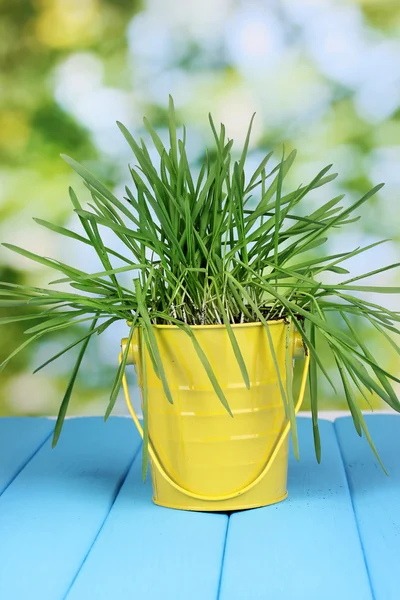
214 249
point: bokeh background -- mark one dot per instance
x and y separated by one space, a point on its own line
322 75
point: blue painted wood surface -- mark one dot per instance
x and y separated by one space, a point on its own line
68 530
20 438
376 498
144 551
53 510
305 547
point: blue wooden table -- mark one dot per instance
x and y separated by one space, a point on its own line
77 522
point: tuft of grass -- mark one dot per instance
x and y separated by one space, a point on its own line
209 249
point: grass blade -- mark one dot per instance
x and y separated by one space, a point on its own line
67 396
208 369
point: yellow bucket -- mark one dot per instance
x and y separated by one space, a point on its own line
202 458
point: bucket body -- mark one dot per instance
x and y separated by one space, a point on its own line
197 443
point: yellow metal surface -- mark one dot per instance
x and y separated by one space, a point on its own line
201 457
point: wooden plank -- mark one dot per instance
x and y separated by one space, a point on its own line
145 551
308 545
52 512
376 497
20 438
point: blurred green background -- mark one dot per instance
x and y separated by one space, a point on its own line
322 75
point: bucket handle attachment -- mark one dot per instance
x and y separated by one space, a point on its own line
219 498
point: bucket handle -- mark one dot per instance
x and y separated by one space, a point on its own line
221 497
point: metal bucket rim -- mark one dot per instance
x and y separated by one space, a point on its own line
221 325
